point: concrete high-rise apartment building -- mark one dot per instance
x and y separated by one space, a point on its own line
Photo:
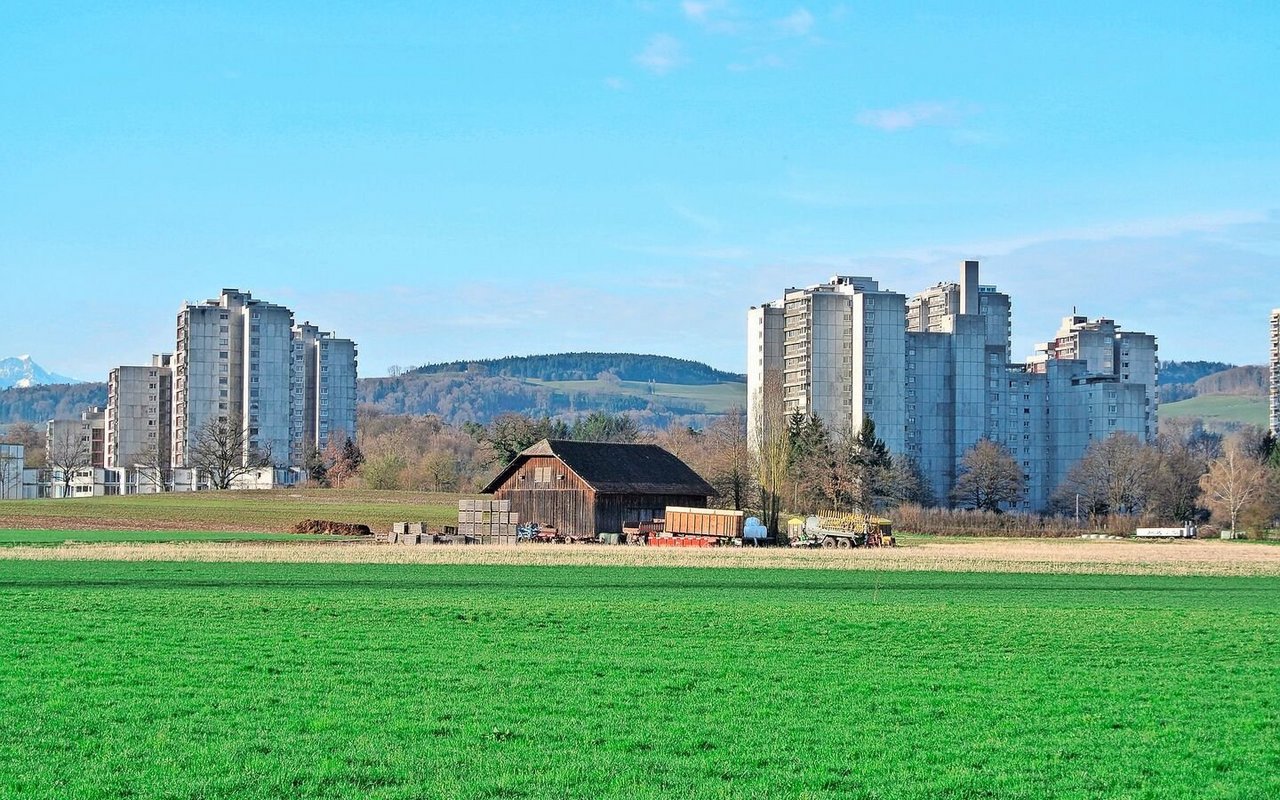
324 376
934 373
139 417
291 387
1275 371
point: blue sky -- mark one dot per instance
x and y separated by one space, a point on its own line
442 181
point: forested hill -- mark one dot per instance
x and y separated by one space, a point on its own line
1188 372
589 366
37 404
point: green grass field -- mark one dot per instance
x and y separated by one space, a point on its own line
1220 408
190 680
263 512
22 537
717 397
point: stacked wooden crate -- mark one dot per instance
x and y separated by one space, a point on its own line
487 521
409 533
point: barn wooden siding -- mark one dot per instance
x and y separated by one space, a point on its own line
572 506
565 501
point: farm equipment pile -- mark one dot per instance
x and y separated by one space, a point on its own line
841 531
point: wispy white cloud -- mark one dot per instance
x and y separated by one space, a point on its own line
716 16
615 83
912 115
797 23
1143 228
662 54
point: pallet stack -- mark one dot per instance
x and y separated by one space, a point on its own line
487 521
409 533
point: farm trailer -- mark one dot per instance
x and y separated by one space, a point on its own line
689 527
841 532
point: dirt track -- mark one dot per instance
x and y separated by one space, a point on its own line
1002 555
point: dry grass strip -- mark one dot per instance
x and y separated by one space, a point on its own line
1207 558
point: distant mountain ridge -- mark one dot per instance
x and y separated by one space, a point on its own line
589 366
21 371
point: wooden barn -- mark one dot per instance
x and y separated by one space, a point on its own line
585 488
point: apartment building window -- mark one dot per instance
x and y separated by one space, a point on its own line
222 354
222 393
222 381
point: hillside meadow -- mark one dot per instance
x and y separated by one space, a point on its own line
1220 409
391 681
275 511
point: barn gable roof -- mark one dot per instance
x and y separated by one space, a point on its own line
614 468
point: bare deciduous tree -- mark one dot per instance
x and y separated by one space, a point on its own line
1234 482
152 466
730 465
1114 477
1174 492
989 476
772 454
221 452
69 452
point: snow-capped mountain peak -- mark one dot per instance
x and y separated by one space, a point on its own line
22 371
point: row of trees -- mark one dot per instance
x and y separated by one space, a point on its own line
1180 477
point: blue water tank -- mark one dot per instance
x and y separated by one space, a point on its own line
753 529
